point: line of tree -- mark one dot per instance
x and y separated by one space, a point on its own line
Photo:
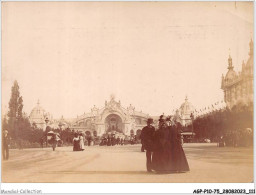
219 123
17 123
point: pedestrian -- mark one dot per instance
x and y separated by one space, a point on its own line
89 139
54 141
109 141
5 145
118 141
113 140
81 142
178 158
161 160
105 141
147 135
76 143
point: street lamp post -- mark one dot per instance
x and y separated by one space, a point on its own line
192 119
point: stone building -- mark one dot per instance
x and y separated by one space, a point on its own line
38 116
238 87
183 114
113 117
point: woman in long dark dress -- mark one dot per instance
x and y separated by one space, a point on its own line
76 143
179 161
161 159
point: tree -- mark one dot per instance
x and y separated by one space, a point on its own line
4 123
15 110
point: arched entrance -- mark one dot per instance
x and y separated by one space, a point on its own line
113 122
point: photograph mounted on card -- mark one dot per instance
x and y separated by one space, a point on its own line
127 92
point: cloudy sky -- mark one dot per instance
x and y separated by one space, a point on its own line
73 55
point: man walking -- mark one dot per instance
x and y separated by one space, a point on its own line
147 138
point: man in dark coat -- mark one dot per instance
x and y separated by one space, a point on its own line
5 146
147 138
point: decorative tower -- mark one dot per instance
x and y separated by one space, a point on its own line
222 82
230 65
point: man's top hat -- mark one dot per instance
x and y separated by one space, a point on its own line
150 120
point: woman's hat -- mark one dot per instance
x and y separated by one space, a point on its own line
162 118
168 118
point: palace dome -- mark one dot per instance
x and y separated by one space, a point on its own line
37 114
231 74
186 108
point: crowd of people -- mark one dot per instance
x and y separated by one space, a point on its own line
237 138
112 140
164 152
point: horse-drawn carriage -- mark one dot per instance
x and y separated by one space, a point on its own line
54 139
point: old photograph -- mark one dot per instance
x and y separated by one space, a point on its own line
127 92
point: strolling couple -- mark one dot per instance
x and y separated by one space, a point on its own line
163 147
78 142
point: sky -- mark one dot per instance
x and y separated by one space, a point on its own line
73 55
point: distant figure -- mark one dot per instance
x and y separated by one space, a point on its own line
76 143
118 141
109 141
113 141
221 142
89 139
105 141
132 140
121 141
54 141
5 145
81 142
147 137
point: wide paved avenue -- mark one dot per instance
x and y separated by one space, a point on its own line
208 163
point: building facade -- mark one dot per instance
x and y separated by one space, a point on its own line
113 117
183 114
38 116
238 87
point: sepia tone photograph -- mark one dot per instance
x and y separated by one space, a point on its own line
127 92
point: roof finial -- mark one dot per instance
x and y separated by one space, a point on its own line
230 66
112 97
186 99
38 102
